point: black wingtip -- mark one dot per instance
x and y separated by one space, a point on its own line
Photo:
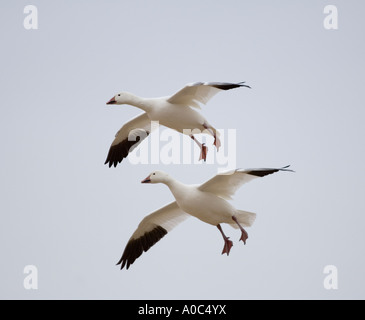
122 264
242 84
227 85
135 247
286 169
121 150
264 172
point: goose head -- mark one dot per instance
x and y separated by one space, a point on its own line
120 98
156 177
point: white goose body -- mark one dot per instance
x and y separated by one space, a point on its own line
207 202
205 206
177 112
176 117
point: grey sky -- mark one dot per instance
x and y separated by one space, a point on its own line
65 212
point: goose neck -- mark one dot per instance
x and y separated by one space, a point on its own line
139 102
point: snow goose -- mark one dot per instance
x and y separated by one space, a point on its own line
175 112
207 202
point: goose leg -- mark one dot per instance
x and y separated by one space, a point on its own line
227 243
203 149
244 235
217 142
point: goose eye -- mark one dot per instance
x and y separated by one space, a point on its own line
154 174
118 95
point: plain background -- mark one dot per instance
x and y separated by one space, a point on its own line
66 213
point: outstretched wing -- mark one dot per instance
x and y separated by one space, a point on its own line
128 138
151 229
201 92
226 184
